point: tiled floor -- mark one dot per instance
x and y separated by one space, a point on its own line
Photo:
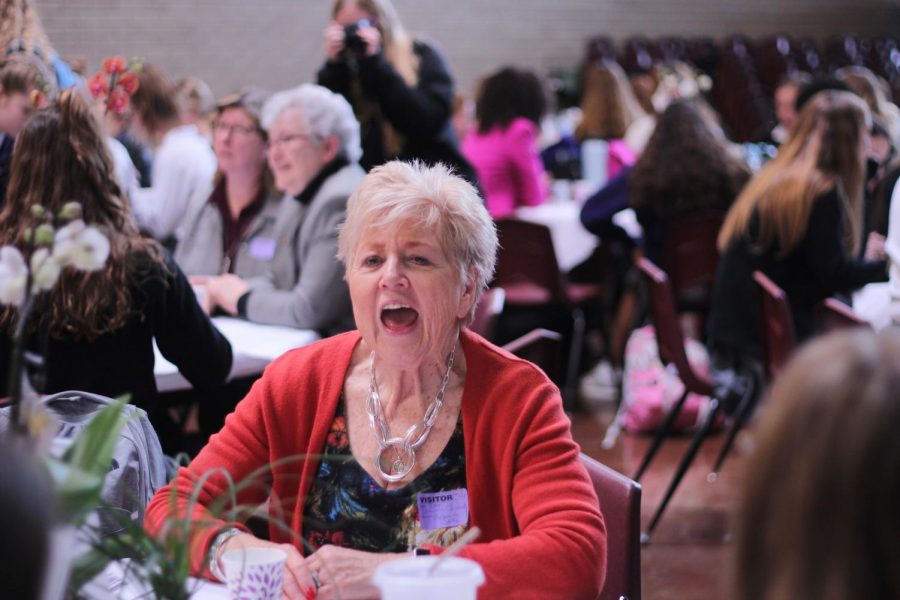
689 557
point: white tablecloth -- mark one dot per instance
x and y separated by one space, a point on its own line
254 346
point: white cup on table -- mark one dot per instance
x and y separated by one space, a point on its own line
408 579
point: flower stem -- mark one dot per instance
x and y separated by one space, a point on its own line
16 365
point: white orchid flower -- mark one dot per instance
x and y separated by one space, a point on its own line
92 250
80 246
44 270
66 240
13 276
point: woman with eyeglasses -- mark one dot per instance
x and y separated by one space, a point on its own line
313 152
230 227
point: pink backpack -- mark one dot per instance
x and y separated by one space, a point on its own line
649 389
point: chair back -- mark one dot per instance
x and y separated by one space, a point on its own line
669 337
541 347
834 315
620 503
777 336
690 256
526 263
487 312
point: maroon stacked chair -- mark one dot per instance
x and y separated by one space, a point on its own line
528 272
690 256
538 346
670 344
778 338
835 315
484 322
620 503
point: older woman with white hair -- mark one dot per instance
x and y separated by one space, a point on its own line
313 152
402 435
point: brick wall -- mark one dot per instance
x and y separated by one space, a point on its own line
277 43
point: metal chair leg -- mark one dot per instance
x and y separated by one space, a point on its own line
683 467
745 409
661 435
579 324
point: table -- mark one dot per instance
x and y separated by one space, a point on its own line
571 241
253 345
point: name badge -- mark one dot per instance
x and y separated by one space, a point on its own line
262 248
443 509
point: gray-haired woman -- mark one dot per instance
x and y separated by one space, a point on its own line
361 435
313 152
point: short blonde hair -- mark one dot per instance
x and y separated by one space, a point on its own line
433 197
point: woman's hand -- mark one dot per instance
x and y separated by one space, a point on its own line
345 573
224 291
298 583
874 247
334 41
372 37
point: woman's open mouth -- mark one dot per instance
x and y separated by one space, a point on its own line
398 318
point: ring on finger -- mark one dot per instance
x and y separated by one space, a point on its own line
316 581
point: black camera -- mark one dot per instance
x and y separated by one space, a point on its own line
353 43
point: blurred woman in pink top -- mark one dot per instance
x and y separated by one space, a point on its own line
504 148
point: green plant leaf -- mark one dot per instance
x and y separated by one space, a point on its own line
77 491
93 449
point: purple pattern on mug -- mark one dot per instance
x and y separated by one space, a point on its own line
259 582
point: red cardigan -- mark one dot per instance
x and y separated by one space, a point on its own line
542 532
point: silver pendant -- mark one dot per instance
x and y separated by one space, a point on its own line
395 460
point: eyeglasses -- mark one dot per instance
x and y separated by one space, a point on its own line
234 129
282 141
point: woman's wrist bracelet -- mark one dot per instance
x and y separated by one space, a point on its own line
214 549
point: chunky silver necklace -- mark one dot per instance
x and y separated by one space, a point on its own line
397 455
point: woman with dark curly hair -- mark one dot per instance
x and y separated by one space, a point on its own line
686 167
95 329
504 149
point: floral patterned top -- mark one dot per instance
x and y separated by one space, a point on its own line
347 507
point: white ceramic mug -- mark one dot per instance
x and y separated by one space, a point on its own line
254 573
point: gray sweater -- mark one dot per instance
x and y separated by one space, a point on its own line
305 285
200 248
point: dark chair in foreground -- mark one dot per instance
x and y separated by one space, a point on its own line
620 503
539 346
487 312
670 342
777 340
528 271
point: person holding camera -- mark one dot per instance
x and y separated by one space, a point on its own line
400 88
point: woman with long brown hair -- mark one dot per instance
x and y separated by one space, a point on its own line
818 515
799 222
95 329
610 111
686 167
399 87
